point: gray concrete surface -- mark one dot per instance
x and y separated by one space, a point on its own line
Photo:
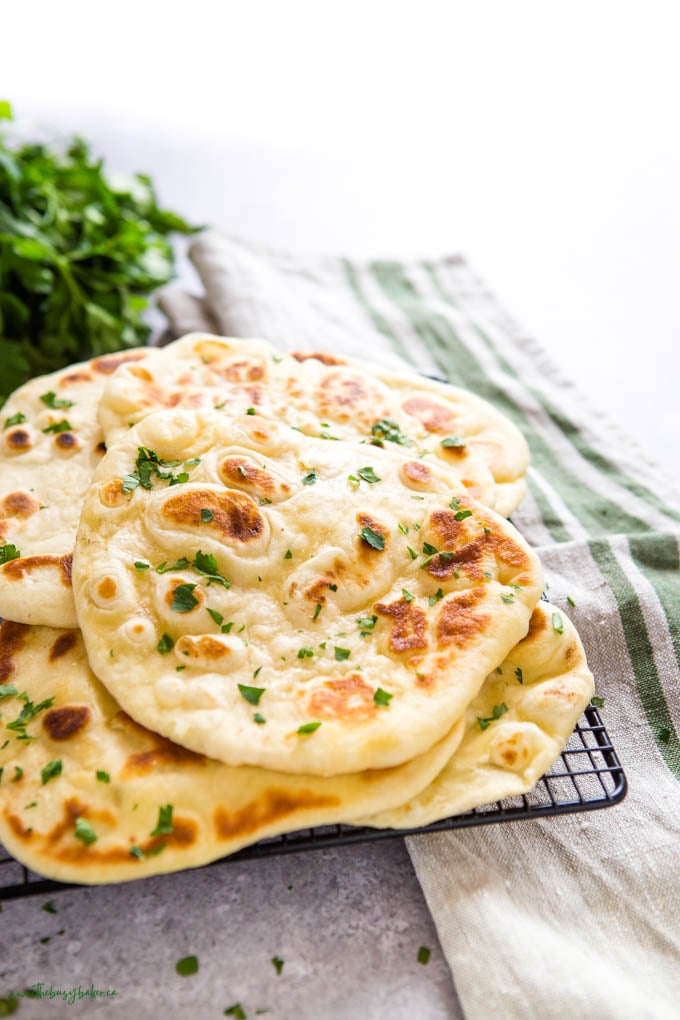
347 922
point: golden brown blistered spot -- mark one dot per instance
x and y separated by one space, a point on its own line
241 371
18 440
165 754
100 447
235 515
415 472
108 363
344 397
141 373
537 624
177 582
243 473
346 697
16 569
63 723
435 417
67 441
318 591
205 647
325 359
12 637
366 521
458 623
107 588
64 643
409 626
268 808
112 493
18 504
450 535
75 377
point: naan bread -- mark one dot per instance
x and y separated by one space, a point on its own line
90 761
330 396
50 445
545 685
364 598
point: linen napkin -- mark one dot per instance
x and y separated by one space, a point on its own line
577 913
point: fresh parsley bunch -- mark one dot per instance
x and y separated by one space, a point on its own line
79 253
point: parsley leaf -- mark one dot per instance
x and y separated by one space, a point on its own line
236 1011
433 599
597 702
58 426
164 823
165 645
50 771
51 400
165 568
448 442
305 653
206 515
15 419
342 653
183 598
7 690
387 429
423 955
497 712
368 475
206 564
382 698
462 514
309 727
278 964
215 616
372 538
407 596
309 478
570 600
102 776
141 565
8 552
251 694
366 623
187 966
84 832
519 674
558 624
259 719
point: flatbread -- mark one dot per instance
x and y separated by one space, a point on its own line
506 756
45 469
313 538
115 775
326 395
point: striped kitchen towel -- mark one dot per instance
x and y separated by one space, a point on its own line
576 913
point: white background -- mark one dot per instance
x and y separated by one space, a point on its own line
540 139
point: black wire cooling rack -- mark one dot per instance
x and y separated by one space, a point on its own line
587 776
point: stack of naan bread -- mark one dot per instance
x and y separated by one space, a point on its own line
246 593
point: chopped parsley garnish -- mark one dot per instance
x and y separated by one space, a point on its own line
183 598
433 599
368 475
84 832
288 555
387 429
497 712
51 400
305 653
507 598
226 627
372 538
166 644
455 503
462 514
15 419
333 587
366 623
251 694
8 552
382 698
423 955
18 773
403 528
257 672
250 410
308 727
215 616
7 690
259 719
664 734
148 464
342 653
450 441
165 568
102 776
192 463
412 553
558 624
206 514
58 426
309 478
318 609
141 565
278 964
237 1009
407 596
487 531
28 712
598 702
519 674
49 908
206 564
50 771
136 851
430 550
164 823
570 600
187 966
